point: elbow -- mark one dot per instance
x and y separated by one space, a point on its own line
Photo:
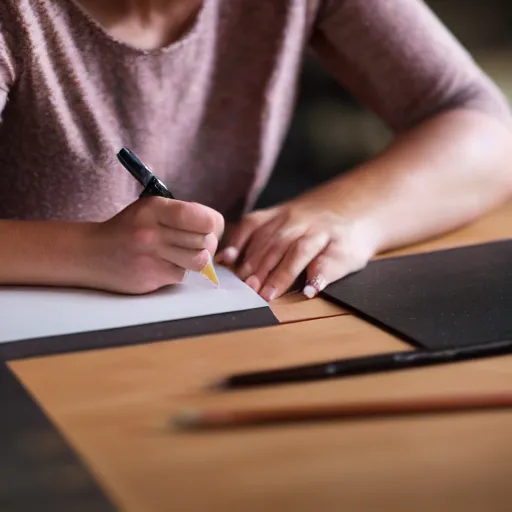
478 122
480 96
483 97
486 125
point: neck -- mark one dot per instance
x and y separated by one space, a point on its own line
138 8
147 24
144 6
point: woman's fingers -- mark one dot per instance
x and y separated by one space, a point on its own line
321 272
185 216
189 240
188 259
330 265
240 236
173 273
295 260
268 246
266 263
261 243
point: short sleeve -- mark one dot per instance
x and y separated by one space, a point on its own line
7 51
397 58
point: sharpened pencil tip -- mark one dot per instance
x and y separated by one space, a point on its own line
210 274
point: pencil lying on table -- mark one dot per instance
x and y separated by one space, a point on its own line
192 419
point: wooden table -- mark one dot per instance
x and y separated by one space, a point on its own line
113 406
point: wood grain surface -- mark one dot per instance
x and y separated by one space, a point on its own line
114 405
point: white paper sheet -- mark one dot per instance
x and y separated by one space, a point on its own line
27 313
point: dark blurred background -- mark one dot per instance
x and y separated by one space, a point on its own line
330 132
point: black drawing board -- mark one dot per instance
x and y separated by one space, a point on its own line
441 299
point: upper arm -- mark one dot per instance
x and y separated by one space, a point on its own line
397 58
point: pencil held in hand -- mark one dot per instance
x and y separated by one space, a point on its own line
153 186
209 272
194 419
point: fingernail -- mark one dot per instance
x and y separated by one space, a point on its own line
314 287
253 282
309 291
269 292
230 254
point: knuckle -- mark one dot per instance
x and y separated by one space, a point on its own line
209 218
302 245
343 252
195 241
273 255
289 216
210 243
201 241
144 237
179 212
209 223
282 246
252 220
242 232
196 208
282 237
219 223
266 266
142 214
312 243
249 266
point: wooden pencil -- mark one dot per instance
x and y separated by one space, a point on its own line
231 418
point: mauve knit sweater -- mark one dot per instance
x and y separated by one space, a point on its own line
208 113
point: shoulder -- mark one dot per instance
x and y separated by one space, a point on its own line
24 25
15 13
399 58
11 40
24 17
16 19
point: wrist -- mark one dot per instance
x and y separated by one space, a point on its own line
76 255
67 255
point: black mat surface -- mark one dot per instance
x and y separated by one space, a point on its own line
449 298
39 472
137 334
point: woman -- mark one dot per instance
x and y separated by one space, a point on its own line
202 90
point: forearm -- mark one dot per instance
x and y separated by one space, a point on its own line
437 177
43 253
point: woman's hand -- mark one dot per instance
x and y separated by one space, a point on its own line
152 243
272 247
